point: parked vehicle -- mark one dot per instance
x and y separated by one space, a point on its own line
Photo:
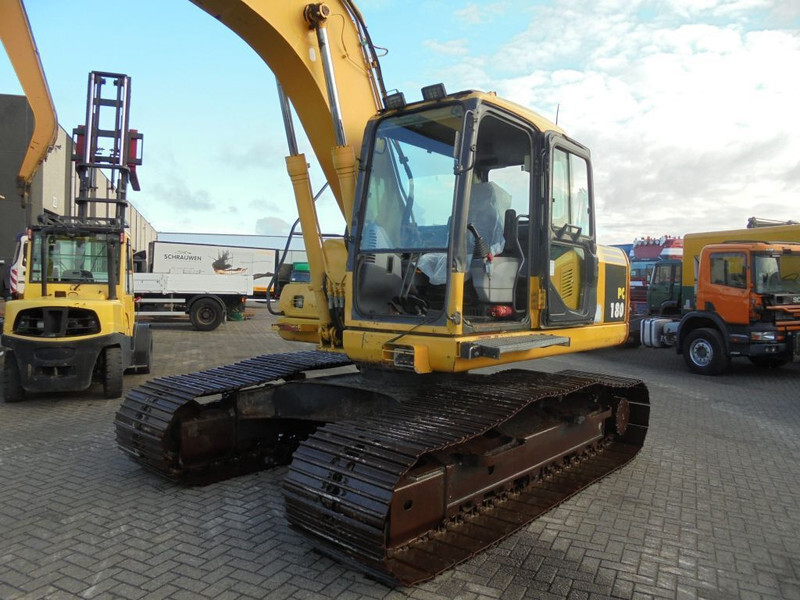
208 300
211 259
471 242
291 272
665 291
644 254
72 323
209 283
14 283
729 297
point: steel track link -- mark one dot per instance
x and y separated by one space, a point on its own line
145 422
343 478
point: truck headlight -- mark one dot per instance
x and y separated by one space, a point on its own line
764 336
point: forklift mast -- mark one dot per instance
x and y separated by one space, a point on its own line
106 141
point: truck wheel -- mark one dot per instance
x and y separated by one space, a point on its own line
206 314
12 384
112 372
767 362
704 352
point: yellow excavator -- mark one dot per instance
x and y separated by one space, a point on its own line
470 243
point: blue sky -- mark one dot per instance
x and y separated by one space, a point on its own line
689 106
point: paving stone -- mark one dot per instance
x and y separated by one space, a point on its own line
706 511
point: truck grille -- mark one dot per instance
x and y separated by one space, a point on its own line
56 322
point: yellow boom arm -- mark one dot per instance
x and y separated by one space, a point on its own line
317 51
15 32
287 42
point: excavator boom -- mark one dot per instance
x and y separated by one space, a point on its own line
16 35
284 35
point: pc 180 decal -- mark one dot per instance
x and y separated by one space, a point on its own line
616 296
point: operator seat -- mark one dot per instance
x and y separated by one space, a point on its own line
485 216
494 281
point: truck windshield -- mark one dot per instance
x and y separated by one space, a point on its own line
300 275
73 258
775 274
412 181
642 270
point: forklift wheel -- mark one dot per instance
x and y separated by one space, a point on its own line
112 372
12 385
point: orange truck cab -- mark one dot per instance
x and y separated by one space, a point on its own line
744 302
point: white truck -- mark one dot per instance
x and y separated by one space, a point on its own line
208 283
207 299
204 258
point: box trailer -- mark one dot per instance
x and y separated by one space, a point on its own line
212 259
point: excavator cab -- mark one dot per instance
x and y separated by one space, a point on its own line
444 223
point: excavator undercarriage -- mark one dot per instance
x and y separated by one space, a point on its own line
397 475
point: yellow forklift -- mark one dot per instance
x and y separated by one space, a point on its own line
75 323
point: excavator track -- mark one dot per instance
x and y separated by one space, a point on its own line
157 424
400 476
459 466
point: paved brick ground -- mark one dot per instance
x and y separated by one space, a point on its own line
707 510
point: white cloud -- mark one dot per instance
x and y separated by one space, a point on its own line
449 48
472 13
182 197
692 124
480 14
721 8
272 226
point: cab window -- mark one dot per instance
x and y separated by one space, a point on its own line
663 274
570 202
729 269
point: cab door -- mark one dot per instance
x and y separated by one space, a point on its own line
727 290
571 270
665 287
